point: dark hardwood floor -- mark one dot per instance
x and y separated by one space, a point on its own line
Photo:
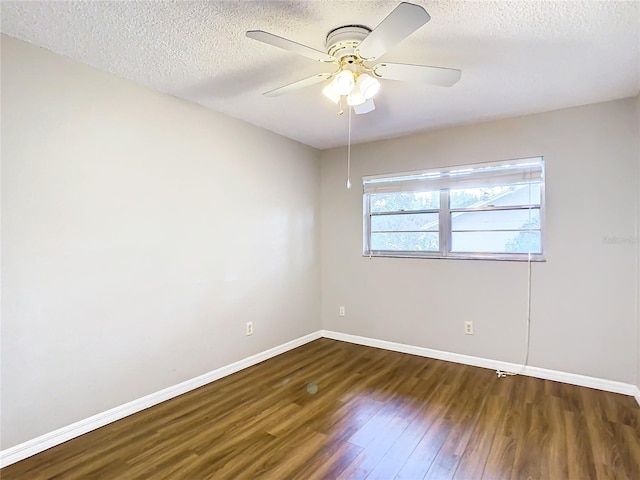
375 415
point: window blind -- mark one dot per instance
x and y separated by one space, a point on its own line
509 172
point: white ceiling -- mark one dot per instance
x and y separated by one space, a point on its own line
517 57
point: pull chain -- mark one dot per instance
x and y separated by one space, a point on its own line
349 153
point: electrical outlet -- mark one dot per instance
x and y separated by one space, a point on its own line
468 328
341 311
249 328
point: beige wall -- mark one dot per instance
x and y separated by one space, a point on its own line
584 317
139 234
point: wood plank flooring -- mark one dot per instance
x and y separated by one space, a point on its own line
375 415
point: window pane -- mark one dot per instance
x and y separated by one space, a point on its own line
496 220
404 201
422 242
404 222
496 242
495 196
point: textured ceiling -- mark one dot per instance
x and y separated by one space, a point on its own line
516 57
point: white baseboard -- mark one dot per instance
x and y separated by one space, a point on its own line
571 378
51 439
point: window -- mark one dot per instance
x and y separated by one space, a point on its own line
491 210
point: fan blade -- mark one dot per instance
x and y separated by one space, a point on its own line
306 82
290 45
366 107
444 77
405 19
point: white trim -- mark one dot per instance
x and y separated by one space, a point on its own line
51 439
571 378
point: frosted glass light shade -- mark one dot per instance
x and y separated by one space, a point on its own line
366 107
368 85
343 82
330 92
355 97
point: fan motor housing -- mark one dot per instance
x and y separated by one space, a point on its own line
343 41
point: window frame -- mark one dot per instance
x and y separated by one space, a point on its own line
445 212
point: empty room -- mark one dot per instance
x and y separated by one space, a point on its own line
320 240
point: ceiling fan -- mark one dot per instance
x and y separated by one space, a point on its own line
351 48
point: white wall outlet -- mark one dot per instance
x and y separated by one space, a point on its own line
249 328
341 311
468 328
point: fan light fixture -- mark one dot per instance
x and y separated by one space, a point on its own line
344 82
330 92
357 91
356 97
368 85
